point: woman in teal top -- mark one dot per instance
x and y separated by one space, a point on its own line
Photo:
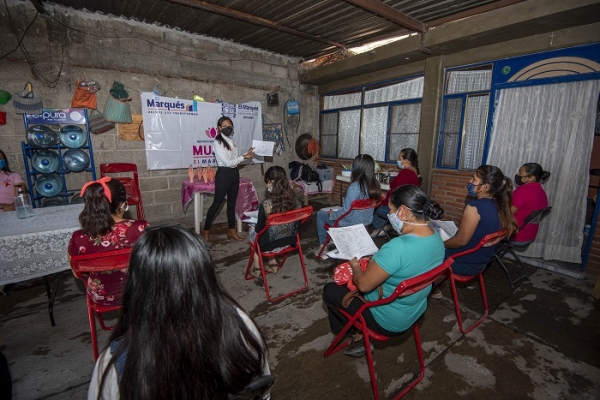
417 250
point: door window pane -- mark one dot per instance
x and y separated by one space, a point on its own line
450 131
476 113
342 100
374 130
411 89
468 81
349 133
404 128
329 127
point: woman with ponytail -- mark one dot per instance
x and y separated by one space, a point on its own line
105 229
417 250
489 212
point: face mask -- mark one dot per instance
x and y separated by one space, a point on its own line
471 189
518 180
227 131
399 163
2 163
396 223
269 188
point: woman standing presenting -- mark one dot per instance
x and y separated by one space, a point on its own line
227 179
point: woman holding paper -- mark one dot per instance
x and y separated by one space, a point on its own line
489 212
280 198
417 250
227 179
363 185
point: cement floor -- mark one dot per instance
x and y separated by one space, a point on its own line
541 340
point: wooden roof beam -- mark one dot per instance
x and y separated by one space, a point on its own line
391 14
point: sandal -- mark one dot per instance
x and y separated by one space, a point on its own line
272 266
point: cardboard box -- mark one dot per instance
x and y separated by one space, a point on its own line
325 174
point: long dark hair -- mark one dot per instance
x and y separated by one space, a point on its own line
536 170
180 332
500 188
411 155
417 201
363 171
6 168
282 196
219 137
96 218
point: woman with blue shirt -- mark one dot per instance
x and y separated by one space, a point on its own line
417 250
489 212
363 185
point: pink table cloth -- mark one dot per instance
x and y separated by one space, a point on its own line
247 199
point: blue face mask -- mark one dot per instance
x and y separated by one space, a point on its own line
471 189
399 163
396 223
2 163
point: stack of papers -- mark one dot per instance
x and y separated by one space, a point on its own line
446 229
252 217
351 241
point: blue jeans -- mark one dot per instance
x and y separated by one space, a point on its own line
378 217
322 219
467 269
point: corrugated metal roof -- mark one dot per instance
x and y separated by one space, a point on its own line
313 27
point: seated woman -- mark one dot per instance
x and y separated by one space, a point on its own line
529 196
9 184
417 250
363 185
488 213
280 198
180 334
409 175
105 229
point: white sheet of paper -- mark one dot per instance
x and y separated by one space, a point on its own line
446 229
352 241
332 208
251 214
262 148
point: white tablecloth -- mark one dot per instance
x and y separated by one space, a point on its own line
35 247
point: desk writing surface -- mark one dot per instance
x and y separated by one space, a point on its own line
35 247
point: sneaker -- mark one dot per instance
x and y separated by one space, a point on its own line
356 348
324 256
436 293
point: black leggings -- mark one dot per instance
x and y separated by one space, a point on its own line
333 295
227 183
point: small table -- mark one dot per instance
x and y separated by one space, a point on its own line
247 199
312 189
346 179
37 247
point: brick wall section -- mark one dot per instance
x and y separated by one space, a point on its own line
449 189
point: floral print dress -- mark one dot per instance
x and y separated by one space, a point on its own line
106 288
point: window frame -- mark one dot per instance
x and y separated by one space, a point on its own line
390 104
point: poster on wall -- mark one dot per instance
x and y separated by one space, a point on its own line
180 133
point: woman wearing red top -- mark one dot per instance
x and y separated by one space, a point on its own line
105 229
409 175
528 197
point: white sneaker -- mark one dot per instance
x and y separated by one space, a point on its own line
324 256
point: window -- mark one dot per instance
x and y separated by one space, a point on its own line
464 118
378 120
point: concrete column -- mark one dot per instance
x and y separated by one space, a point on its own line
430 118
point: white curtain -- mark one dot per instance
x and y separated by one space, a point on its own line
552 125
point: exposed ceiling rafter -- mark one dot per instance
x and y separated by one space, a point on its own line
391 14
227 12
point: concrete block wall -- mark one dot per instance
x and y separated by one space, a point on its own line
141 56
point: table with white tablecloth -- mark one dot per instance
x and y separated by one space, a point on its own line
36 247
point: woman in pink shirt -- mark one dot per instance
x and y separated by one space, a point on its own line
529 196
9 182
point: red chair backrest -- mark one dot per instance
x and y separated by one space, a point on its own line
488 240
298 215
362 204
98 262
132 184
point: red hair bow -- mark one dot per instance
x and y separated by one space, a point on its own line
101 181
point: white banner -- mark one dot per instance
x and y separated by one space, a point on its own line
180 133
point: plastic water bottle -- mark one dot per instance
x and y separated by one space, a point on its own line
23 205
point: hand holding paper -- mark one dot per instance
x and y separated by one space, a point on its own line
262 148
351 241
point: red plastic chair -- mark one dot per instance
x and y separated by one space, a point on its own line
489 240
363 204
405 288
97 262
132 185
300 215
